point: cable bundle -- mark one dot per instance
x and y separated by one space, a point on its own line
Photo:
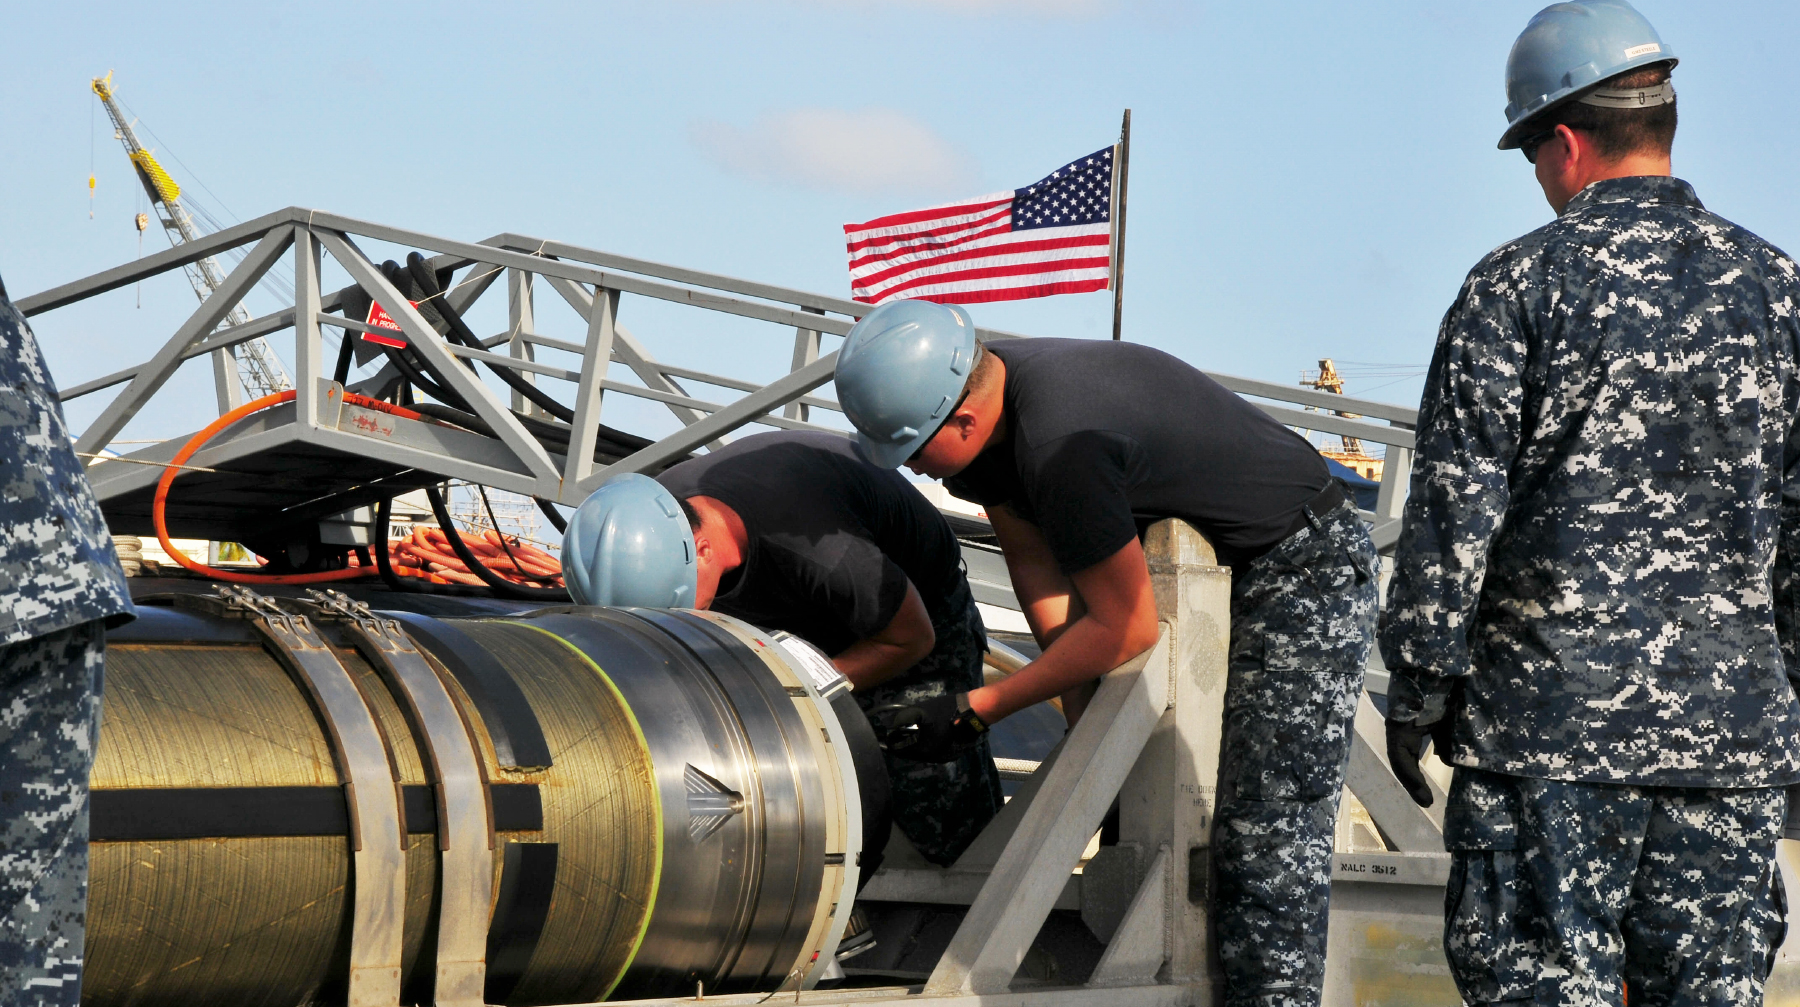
427 554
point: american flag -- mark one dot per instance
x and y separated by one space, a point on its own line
1051 237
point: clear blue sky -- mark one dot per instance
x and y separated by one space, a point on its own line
1308 178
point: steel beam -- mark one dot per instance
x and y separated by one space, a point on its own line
429 447
581 274
602 322
1396 474
1098 754
1392 436
700 407
425 342
742 386
1402 415
152 265
157 371
700 278
806 350
749 409
308 351
254 329
631 352
521 314
473 286
668 370
677 274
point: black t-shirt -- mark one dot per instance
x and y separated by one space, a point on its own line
833 539
1104 437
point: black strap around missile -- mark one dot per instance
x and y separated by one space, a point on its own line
511 725
527 880
166 813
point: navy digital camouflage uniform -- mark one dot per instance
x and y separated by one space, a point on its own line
60 581
1588 581
943 806
1302 624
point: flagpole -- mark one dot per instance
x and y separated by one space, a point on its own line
1121 175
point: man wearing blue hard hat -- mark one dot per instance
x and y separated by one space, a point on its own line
1074 447
793 531
1592 606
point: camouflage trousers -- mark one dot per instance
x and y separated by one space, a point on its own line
1560 892
1302 621
942 807
49 720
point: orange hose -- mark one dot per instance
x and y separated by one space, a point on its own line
158 508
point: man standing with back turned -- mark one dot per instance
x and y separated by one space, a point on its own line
60 586
1593 593
1073 446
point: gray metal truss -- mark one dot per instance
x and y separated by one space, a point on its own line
516 461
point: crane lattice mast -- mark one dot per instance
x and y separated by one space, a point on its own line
258 368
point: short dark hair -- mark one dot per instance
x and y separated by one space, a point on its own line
1617 132
985 372
693 516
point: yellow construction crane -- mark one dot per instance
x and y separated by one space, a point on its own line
257 369
1329 380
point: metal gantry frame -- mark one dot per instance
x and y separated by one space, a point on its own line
1157 714
517 462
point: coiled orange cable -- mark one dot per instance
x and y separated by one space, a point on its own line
159 506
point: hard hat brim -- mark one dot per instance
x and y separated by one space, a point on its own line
1523 126
888 454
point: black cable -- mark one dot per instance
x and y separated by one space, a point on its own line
412 585
504 545
414 368
405 281
610 445
504 587
419 380
555 516
346 346
434 302
383 562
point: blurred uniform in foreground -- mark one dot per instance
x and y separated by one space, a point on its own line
1594 591
60 586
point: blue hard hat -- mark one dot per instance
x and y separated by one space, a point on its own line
901 369
629 544
1569 47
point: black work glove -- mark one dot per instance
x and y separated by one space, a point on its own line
937 729
1406 747
1421 706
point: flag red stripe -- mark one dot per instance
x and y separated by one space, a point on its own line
1010 293
1011 247
956 209
906 236
986 272
928 250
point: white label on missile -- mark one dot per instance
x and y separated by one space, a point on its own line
825 678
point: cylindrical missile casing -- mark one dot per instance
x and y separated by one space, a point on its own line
672 797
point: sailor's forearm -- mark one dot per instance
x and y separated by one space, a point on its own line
1086 650
871 662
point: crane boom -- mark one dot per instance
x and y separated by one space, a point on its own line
257 367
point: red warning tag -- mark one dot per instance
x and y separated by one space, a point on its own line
379 318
